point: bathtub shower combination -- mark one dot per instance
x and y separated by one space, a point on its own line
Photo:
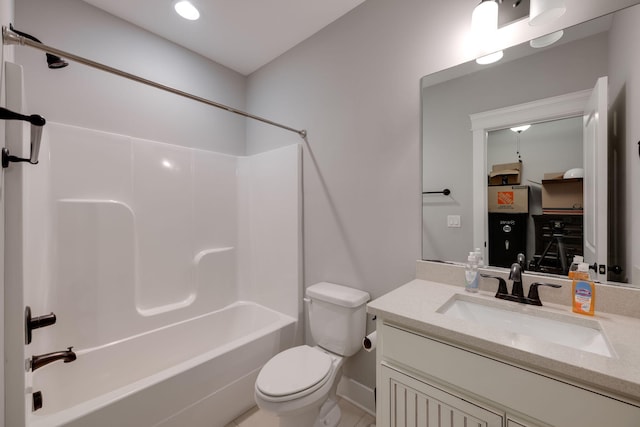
174 274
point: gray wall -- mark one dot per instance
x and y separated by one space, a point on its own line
355 86
447 156
82 96
624 98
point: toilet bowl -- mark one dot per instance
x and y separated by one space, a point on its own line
299 384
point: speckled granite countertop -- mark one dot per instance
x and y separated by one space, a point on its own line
415 306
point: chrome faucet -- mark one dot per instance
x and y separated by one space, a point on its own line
38 361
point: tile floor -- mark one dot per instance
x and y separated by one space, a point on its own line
352 416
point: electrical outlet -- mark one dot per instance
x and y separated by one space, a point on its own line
453 221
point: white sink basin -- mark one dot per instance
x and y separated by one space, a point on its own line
582 334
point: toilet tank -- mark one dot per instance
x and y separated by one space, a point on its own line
337 317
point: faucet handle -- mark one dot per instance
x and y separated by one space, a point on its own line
533 296
502 284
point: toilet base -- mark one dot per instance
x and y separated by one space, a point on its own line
304 419
330 414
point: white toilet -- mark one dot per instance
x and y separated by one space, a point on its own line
299 384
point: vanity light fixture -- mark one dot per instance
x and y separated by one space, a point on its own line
484 24
187 10
542 12
485 17
547 40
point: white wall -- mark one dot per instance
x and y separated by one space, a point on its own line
624 93
122 225
125 235
270 230
6 15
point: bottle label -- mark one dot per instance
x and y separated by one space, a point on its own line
471 279
583 297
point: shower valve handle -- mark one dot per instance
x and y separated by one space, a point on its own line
34 119
37 122
31 323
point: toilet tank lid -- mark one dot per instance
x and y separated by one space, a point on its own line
337 294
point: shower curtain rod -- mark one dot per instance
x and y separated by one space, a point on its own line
9 37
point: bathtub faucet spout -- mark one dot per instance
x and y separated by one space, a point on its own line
38 361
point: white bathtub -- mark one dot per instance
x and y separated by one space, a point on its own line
199 372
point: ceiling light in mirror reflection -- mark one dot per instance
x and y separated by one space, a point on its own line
491 58
547 40
187 10
520 129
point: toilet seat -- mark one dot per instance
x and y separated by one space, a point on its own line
294 373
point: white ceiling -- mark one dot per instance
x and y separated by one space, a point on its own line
240 34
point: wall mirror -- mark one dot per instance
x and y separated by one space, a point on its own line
568 70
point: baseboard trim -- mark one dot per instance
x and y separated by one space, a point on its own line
357 394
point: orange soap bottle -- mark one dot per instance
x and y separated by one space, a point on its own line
583 291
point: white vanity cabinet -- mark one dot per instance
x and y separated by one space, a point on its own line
414 403
424 382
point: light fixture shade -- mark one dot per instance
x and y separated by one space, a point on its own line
485 18
547 40
484 26
520 129
491 58
187 10
542 12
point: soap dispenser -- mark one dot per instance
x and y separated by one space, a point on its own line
471 273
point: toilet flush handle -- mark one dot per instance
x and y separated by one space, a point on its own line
306 300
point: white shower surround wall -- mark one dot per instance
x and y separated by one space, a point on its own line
131 241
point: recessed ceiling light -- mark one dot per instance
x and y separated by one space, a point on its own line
186 9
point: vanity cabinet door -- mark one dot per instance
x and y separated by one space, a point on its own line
513 423
415 403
